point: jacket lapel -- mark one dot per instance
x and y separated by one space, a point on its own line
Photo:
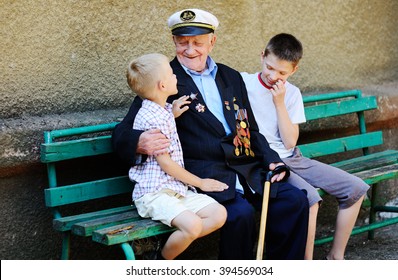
227 98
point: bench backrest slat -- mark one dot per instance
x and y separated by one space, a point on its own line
343 144
332 95
327 105
58 151
50 136
313 112
63 195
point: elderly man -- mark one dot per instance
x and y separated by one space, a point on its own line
221 140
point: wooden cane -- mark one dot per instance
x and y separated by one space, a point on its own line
263 219
264 208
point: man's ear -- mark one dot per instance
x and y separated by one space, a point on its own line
213 42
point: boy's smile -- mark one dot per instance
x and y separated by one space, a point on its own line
275 69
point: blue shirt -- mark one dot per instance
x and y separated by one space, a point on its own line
206 83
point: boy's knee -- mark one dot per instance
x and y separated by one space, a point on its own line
220 215
194 229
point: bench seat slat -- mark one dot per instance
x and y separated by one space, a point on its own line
130 231
58 196
66 223
370 161
343 144
58 151
87 227
313 112
376 175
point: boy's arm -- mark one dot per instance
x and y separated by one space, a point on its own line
288 131
173 169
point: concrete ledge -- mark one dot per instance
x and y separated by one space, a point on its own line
20 138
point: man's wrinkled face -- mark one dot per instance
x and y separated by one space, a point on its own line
192 51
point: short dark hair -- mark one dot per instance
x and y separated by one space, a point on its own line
285 47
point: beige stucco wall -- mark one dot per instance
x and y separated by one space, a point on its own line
66 56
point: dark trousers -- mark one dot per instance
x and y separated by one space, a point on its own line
287 226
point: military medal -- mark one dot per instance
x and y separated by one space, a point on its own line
226 103
200 108
243 124
236 107
193 96
241 140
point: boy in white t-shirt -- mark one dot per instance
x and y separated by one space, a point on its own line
278 109
164 190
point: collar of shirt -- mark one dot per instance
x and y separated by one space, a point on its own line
207 86
157 109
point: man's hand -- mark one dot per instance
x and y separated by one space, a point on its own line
152 142
179 105
277 177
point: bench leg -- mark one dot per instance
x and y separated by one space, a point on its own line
372 212
128 251
65 245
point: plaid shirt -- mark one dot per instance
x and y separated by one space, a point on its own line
149 177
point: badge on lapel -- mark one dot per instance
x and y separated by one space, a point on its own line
198 106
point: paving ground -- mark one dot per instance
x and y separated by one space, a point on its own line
383 247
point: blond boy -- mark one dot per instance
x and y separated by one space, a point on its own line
164 190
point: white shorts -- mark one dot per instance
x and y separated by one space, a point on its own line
166 204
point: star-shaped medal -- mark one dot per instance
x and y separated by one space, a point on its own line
193 96
200 108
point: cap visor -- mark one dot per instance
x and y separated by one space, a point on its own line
191 31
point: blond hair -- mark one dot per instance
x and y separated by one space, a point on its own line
144 72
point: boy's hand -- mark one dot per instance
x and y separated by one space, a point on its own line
211 185
278 91
179 105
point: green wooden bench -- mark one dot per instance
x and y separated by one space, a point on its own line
110 226
121 225
373 168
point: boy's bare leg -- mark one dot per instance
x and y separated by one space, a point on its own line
345 222
189 227
213 217
309 249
